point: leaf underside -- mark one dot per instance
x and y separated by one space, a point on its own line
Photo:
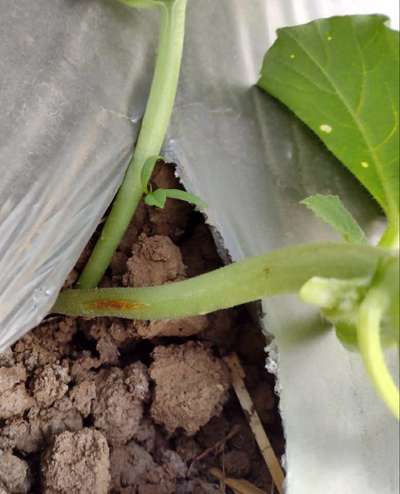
341 77
331 210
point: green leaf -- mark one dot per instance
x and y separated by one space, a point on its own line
159 197
331 210
147 171
156 198
182 195
341 77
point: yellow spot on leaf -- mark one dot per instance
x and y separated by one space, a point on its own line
364 164
292 55
326 128
329 38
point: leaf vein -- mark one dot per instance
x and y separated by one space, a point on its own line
359 125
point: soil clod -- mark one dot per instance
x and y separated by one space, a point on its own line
77 462
108 405
14 474
190 386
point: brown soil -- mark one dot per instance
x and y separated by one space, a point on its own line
190 386
77 462
110 405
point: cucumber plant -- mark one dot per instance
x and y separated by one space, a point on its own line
341 77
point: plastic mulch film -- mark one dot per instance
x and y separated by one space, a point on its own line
74 81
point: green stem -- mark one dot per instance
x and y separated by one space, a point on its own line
390 237
152 134
282 271
370 344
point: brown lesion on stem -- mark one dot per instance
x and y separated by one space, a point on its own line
119 305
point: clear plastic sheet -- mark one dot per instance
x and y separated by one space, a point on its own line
75 76
247 157
72 91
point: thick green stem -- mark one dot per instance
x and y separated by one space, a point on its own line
370 344
282 271
152 134
390 237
